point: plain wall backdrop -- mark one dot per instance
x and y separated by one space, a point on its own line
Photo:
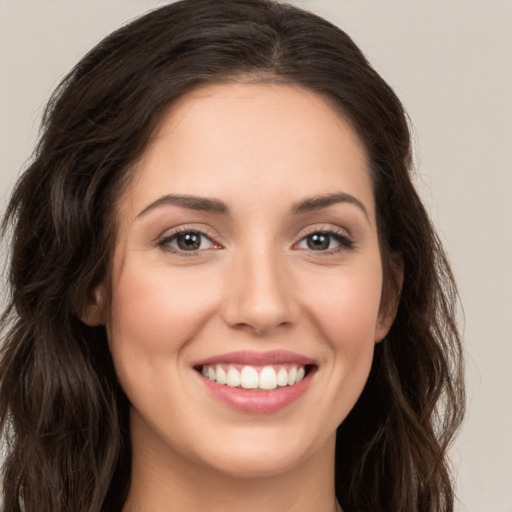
450 62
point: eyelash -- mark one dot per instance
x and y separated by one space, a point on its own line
340 236
345 242
165 241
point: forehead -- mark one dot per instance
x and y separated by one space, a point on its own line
224 140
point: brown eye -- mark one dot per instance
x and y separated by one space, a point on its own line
318 241
326 241
187 241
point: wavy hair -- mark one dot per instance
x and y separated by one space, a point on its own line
62 412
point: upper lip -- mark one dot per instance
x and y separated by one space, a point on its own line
255 358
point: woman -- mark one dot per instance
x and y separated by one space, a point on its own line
225 290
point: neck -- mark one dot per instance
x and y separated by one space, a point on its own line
165 481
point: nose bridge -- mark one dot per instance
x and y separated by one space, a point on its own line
259 295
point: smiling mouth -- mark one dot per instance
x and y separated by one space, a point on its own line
255 378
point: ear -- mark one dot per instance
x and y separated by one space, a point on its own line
93 311
390 299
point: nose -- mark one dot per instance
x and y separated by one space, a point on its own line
259 294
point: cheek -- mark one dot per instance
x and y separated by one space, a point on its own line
346 307
343 310
154 316
159 310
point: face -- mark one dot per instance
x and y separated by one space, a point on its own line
247 280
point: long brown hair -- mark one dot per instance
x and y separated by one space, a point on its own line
62 411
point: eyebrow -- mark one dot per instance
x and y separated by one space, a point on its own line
203 204
206 204
320 202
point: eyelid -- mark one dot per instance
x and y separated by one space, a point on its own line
325 228
162 240
347 242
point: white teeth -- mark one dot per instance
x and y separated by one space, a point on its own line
221 374
268 378
233 377
250 377
292 373
282 377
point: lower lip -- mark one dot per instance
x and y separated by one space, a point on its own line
258 402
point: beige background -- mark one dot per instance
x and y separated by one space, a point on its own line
451 63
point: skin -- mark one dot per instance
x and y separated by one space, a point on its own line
253 285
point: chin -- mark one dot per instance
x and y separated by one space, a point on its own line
261 454
254 465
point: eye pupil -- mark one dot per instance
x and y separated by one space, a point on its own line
318 241
189 241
